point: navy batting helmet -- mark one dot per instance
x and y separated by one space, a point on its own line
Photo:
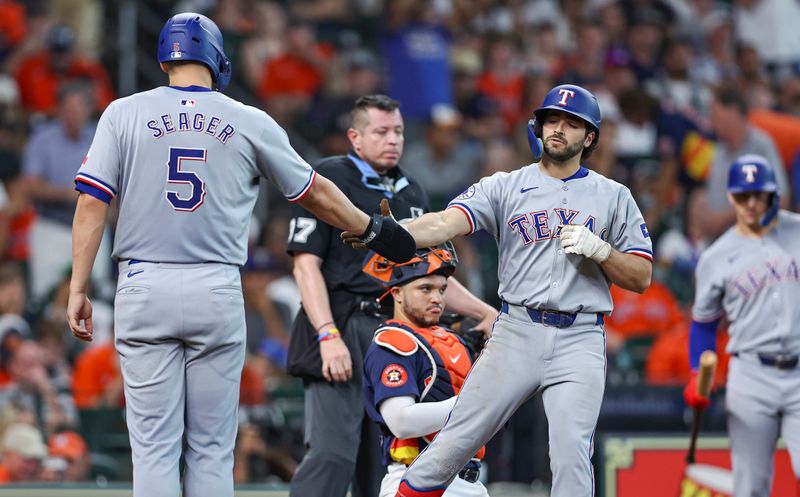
190 36
753 173
436 260
571 99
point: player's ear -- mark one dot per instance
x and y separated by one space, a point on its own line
163 67
397 294
730 198
587 141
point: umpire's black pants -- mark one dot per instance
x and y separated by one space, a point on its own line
341 441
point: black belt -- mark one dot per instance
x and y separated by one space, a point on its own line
469 474
778 361
556 319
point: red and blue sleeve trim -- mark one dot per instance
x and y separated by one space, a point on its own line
641 252
95 187
467 212
93 191
302 193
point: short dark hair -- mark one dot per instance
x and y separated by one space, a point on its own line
728 96
376 101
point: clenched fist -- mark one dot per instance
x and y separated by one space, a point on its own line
577 239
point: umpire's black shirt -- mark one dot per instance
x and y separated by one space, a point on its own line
341 266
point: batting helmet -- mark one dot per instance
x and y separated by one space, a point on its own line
437 260
753 173
571 99
190 36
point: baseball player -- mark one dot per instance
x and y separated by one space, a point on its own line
183 161
337 319
564 234
414 368
750 275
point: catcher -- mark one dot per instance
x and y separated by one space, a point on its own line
414 368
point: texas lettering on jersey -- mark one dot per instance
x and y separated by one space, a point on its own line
764 275
535 226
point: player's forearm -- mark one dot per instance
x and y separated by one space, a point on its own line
327 202
628 271
407 418
462 301
435 228
87 232
313 291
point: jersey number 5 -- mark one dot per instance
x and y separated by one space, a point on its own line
175 175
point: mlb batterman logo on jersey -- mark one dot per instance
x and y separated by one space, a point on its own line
394 375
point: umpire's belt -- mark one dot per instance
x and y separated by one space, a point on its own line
556 319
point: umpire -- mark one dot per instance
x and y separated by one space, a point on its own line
333 330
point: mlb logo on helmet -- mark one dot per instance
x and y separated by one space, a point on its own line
176 51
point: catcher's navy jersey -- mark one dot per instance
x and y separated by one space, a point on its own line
525 209
425 371
166 153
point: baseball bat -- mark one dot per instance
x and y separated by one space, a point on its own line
705 376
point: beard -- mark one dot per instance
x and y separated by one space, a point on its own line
566 153
420 318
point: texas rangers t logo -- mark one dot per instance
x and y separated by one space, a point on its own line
565 94
750 171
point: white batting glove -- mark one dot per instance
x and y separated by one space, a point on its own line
576 239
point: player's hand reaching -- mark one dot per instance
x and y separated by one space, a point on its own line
692 398
337 365
385 236
577 239
79 308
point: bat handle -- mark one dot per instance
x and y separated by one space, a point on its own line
698 414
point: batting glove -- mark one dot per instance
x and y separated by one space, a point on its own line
577 239
692 398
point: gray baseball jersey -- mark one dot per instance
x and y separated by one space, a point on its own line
189 161
184 163
525 209
756 283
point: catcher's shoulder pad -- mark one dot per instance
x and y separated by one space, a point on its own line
397 340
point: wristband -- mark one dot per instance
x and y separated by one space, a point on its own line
328 335
326 323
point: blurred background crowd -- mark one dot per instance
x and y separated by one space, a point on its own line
684 86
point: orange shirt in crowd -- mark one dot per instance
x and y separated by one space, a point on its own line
782 128
5 477
506 93
96 370
12 22
651 313
288 74
38 83
668 360
251 391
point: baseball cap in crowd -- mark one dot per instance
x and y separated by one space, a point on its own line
444 115
68 445
361 59
25 439
61 38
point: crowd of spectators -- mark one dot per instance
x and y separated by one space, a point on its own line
684 86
